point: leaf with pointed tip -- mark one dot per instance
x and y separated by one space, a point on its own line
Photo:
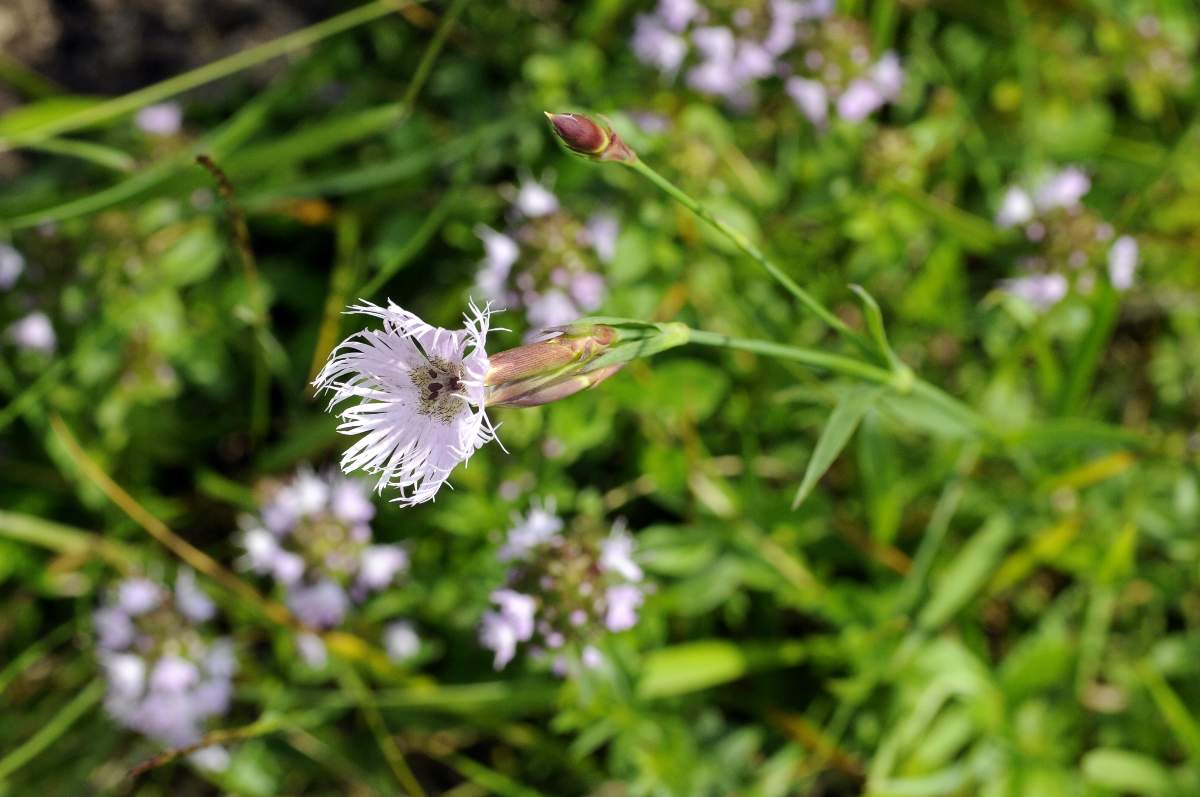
842 422
874 319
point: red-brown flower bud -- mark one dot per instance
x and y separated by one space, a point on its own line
584 136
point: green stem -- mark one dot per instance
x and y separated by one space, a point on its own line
353 683
755 254
118 106
52 730
902 382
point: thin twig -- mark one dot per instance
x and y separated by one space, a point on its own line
259 411
190 554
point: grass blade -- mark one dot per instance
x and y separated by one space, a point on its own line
842 422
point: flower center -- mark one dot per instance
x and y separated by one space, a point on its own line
439 390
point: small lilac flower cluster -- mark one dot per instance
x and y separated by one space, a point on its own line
313 537
557 259
166 677
1070 240
824 60
562 593
33 331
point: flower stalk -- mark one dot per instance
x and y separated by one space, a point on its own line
585 137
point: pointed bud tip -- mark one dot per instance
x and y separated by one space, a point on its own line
579 133
583 135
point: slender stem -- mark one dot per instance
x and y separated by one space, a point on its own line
188 553
264 725
755 254
353 683
49 733
902 382
813 357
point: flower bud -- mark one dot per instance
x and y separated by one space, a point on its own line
549 369
576 357
584 136
560 389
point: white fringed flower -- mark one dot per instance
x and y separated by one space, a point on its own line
421 398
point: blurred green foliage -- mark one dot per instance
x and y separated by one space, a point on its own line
940 616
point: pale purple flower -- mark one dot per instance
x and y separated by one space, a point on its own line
587 290
213 758
12 265
603 230
164 679
137 596
678 14
752 62
401 641
380 565
421 398
551 308
125 673
518 609
621 605
173 673
350 503
860 99
1015 208
114 628
888 75
781 31
162 119
810 97
307 494
312 651
496 633
320 605
656 45
591 657
1062 189
34 332
500 253
1123 262
191 600
537 527
265 556
1043 291
616 554
715 43
714 77
535 200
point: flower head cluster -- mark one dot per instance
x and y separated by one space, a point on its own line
824 61
166 676
562 592
547 262
313 537
1069 240
419 398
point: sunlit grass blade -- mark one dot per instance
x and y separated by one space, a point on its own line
101 112
694 666
65 539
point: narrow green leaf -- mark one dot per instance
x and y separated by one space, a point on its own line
99 154
967 574
45 112
63 539
875 327
700 665
1126 772
842 422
